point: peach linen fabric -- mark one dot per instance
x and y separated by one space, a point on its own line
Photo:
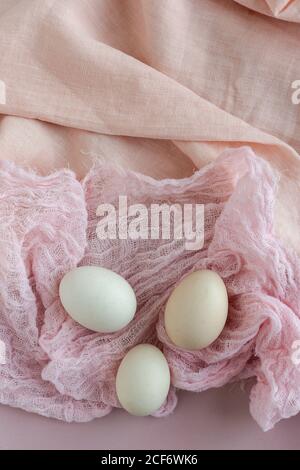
284 9
160 87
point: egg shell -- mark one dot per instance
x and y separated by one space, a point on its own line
143 380
196 311
98 298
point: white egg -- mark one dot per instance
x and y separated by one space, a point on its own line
97 298
143 380
196 311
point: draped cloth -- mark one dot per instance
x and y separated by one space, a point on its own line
160 88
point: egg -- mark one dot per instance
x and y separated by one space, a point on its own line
196 310
97 298
143 380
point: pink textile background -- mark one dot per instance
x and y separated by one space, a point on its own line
158 86
59 369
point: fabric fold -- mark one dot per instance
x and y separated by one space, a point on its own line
288 10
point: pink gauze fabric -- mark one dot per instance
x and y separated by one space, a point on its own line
288 10
59 369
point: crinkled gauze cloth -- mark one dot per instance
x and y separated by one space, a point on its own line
182 101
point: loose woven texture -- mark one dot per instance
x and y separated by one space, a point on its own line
59 369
